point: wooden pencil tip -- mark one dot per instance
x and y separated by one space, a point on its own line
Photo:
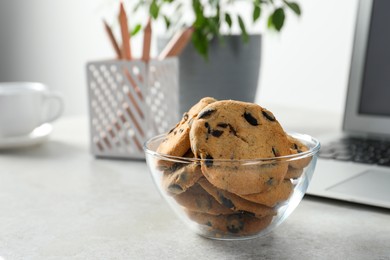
121 7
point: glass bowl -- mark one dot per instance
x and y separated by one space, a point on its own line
233 199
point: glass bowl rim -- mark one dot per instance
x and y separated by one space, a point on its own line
312 151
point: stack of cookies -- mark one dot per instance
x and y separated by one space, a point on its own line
227 188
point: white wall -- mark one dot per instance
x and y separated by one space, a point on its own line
307 65
50 41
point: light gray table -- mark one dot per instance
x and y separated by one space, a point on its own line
59 202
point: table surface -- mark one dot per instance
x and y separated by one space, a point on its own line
59 202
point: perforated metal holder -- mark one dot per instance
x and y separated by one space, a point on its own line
130 101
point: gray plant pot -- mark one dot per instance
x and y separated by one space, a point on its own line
231 72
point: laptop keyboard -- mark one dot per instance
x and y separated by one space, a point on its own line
358 150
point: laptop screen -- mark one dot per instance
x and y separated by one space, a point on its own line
367 108
375 93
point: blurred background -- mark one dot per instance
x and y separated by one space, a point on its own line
306 65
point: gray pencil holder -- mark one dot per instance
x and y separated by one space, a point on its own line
130 101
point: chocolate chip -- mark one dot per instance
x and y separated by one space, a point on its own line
268 115
170 131
225 201
297 148
206 113
209 161
216 133
235 224
183 177
223 125
176 166
233 228
181 130
275 152
209 224
232 130
251 214
208 130
250 119
185 117
270 181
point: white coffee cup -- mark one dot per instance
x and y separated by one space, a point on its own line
24 106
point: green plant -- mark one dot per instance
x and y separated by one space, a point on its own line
209 16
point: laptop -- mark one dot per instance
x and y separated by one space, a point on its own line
355 166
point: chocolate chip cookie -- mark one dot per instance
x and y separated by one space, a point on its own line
273 196
177 141
235 202
233 224
293 173
233 130
180 180
198 200
297 147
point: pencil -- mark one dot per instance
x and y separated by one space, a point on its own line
147 41
112 39
176 45
126 48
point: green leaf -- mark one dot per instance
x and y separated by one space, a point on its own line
278 18
200 19
244 33
294 7
154 9
136 29
213 25
200 42
269 22
197 7
167 22
218 14
228 20
256 13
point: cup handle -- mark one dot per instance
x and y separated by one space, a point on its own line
53 99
